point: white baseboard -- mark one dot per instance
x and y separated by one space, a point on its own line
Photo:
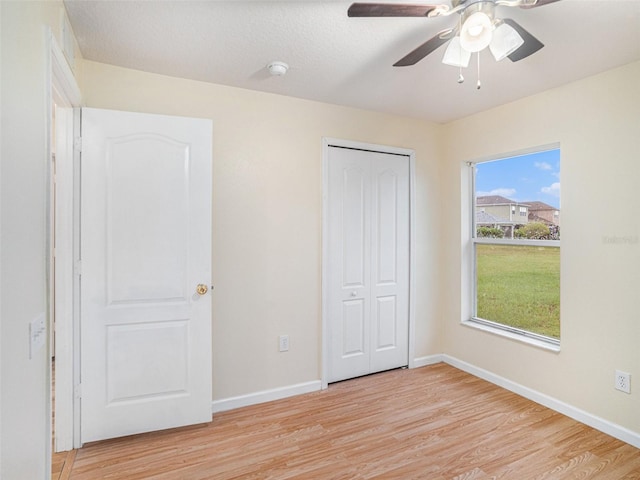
424 361
264 396
605 426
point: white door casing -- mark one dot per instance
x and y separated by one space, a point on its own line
145 246
64 281
366 274
65 94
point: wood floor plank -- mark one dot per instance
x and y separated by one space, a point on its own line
431 423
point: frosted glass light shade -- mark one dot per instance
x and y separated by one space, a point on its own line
455 55
476 32
505 41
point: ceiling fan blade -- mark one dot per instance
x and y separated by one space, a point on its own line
539 3
391 9
530 46
426 48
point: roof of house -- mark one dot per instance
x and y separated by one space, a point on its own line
493 200
538 219
535 205
486 218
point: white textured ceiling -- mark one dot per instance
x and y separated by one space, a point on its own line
348 61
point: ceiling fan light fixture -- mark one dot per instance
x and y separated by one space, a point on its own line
455 55
476 32
505 41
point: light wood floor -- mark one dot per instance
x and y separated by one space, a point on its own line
61 464
431 423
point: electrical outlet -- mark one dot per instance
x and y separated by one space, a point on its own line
623 381
283 343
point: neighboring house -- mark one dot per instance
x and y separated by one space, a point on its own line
503 208
484 219
509 215
543 213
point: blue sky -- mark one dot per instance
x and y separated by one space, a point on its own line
529 177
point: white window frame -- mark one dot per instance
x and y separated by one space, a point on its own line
469 273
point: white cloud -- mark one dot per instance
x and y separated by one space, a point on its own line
503 192
553 190
543 166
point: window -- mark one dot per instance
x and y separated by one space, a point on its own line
516 259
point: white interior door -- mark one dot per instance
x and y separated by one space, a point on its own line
368 262
145 246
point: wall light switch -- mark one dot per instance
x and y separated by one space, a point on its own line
37 334
283 343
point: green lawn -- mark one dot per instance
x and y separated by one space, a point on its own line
519 286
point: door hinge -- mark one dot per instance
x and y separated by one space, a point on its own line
77 268
77 391
77 143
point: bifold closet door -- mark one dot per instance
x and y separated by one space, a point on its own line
368 262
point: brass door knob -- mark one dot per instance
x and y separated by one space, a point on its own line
201 289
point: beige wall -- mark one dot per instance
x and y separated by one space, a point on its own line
24 413
267 198
597 123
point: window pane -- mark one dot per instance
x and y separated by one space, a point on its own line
519 286
519 197
516 206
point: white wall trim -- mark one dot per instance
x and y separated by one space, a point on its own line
428 360
264 396
412 258
324 357
1 236
605 426
63 281
326 143
63 89
65 82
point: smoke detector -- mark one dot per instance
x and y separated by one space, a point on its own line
277 68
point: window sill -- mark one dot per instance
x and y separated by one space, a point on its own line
534 342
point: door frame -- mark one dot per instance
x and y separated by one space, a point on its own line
63 89
328 142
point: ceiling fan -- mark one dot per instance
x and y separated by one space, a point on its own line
477 28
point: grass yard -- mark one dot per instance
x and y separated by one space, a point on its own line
519 286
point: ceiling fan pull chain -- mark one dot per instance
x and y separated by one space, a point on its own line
460 77
478 84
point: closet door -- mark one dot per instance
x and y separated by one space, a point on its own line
368 262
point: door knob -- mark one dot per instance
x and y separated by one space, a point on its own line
201 289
